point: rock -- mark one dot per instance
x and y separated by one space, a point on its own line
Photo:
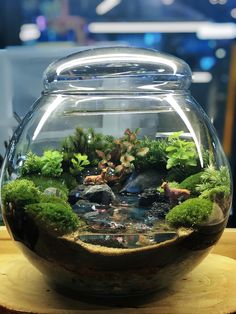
84 206
101 194
106 226
158 210
151 195
137 183
75 194
52 191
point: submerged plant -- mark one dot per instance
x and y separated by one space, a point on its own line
190 213
78 163
180 153
214 182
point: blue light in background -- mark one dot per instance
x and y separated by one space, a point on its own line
151 39
206 63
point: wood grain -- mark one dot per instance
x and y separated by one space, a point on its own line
210 288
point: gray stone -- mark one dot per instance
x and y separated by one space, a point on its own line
101 194
52 191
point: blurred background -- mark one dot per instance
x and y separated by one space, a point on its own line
33 33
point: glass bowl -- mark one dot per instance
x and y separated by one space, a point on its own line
115 183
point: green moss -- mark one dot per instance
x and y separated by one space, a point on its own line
190 213
46 198
56 217
43 183
191 183
20 192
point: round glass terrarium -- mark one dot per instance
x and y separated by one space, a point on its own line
115 183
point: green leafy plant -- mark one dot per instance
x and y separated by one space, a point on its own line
156 155
56 217
79 162
20 193
214 182
85 142
51 163
31 165
190 213
180 153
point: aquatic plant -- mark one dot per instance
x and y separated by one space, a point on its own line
180 153
56 217
20 193
31 165
190 213
78 163
214 182
191 183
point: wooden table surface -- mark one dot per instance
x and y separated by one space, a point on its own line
209 289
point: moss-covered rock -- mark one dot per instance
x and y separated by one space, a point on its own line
190 213
50 198
20 193
56 217
42 183
191 182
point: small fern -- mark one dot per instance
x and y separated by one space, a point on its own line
214 182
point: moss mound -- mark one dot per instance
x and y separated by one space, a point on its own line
46 198
56 217
43 183
20 192
191 183
190 213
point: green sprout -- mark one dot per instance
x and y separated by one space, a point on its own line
79 162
